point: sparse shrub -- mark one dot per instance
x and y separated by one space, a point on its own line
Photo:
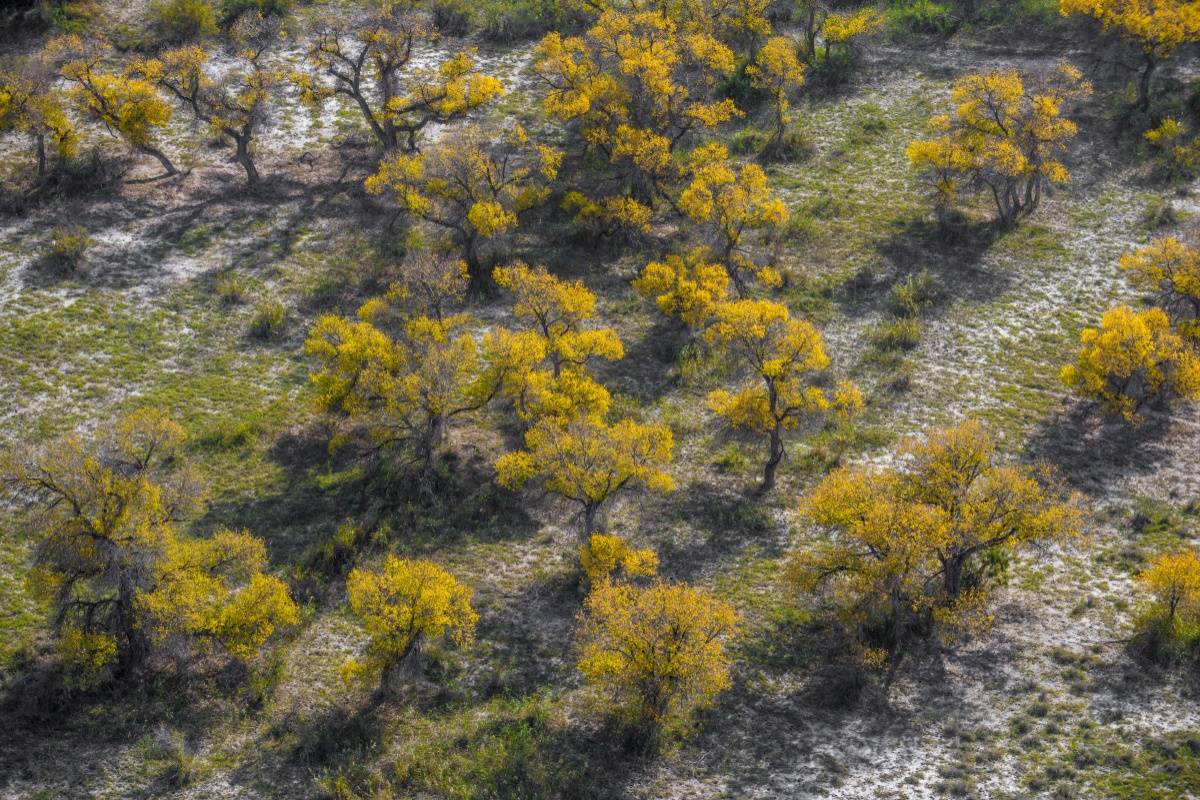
232 288
183 20
1172 621
897 334
269 318
912 296
232 9
68 246
747 140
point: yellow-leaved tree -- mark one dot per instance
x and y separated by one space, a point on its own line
127 106
472 185
634 86
123 585
368 59
233 106
545 363
657 651
1174 581
1006 136
726 202
783 356
1157 27
842 32
688 286
925 541
1171 269
31 106
1131 359
776 70
587 460
403 606
402 372
605 555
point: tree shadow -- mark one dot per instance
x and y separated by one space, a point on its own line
950 253
1092 451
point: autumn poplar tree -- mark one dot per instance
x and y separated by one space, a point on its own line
403 606
1169 268
634 87
926 540
129 107
472 185
368 59
122 583
1132 359
658 652
783 356
1156 27
1006 136
588 460
31 107
777 71
688 286
233 106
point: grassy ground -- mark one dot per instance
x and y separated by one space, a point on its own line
1050 703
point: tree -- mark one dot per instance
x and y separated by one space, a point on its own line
545 365
128 107
1131 359
1004 136
1171 269
32 107
1157 27
1173 580
659 651
843 30
687 286
587 461
400 389
811 14
605 553
726 203
782 355
473 185
929 538
776 70
368 58
122 584
634 87
233 106
556 310
402 606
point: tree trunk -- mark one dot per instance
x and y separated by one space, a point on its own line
589 519
40 145
1144 82
150 150
774 457
242 156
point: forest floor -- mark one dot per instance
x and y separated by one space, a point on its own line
1051 702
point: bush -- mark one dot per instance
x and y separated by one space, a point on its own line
68 245
232 288
912 296
900 334
921 17
269 318
182 20
232 9
746 141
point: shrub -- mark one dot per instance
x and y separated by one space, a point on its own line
68 245
269 318
232 9
182 20
899 334
232 288
1173 619
913 295
921 17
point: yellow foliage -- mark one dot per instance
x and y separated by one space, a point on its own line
605 553
1171 269
586 460
921 538
122 582
687 286
777 70
404 605
1174 580
35 109
842 29
1004 135
659 651
1158 26
1131 359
